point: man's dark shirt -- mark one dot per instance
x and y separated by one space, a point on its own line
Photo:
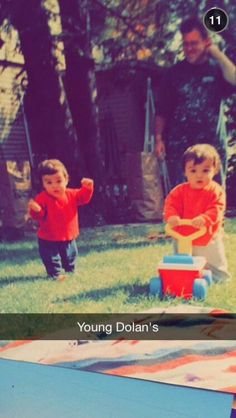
190 100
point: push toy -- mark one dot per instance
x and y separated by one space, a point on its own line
182 274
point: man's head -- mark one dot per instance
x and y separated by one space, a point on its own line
201 163
195 40
54 177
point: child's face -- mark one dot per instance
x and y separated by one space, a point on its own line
199 175
55 184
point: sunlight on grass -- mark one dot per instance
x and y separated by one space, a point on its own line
114 269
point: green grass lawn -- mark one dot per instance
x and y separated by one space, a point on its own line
114 268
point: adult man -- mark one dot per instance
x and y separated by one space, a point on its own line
189 106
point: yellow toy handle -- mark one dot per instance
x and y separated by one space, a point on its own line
185 242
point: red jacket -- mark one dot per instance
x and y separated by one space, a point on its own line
187 203
58 219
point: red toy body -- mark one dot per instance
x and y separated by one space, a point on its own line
182 275
178 278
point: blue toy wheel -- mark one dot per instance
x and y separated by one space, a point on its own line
200 289
155 287
207 275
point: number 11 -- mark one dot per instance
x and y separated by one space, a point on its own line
212 19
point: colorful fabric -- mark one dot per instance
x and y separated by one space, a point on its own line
208 363
200 364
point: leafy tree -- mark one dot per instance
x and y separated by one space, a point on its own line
113 30
49 119
148 30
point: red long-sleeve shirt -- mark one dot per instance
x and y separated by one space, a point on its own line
187 203
58 218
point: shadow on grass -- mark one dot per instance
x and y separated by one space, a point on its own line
19 255
17 280
133 292
118 245
22 255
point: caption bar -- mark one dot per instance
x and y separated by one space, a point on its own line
118 326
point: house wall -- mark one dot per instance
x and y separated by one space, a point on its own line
15 183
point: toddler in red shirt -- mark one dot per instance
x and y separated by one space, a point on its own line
56 210
202 200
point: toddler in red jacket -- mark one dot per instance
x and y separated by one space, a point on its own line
56 210
202 200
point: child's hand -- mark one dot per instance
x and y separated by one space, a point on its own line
198 222
173 221
32 205
87 183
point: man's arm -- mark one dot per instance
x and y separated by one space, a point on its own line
227 66
160 146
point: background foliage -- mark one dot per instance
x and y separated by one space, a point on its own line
63 42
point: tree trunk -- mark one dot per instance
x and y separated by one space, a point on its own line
80 88
49 118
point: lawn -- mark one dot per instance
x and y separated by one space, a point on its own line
114 269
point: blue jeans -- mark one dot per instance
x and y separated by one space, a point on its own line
58 255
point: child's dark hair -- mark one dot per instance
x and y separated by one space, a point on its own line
48 167
201 152
192 23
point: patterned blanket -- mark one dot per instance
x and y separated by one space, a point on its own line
207 363
201 364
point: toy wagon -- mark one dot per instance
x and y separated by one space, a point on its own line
182 274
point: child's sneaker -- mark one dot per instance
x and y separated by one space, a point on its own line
58 277
61 278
